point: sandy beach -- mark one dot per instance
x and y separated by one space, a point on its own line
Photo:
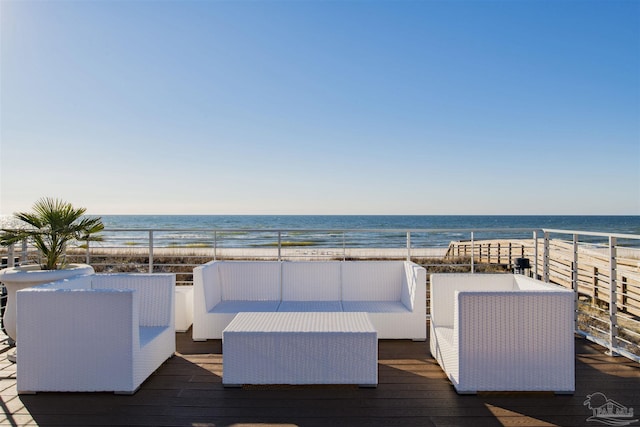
285 253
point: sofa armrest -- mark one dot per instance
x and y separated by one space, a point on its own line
63 332
413 294
486 318
206 287
442 288
497 333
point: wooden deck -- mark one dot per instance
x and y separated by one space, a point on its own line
412 391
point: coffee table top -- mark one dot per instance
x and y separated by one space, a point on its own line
269 322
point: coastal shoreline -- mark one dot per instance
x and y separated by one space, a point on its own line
298 253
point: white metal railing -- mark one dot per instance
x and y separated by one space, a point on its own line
602 268
605 276
217 236
180 250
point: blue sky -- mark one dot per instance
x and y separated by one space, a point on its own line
321 107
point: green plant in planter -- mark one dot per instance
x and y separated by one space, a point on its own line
51 225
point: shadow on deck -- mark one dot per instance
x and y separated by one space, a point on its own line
413 391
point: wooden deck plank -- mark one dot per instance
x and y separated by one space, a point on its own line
413 391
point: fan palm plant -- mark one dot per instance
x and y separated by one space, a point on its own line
51 226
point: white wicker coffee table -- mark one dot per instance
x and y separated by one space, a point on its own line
300 348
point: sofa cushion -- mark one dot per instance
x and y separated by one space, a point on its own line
311 281
311 306
375 281
250 280
375 306
238 306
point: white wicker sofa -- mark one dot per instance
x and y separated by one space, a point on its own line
502 332
99 332
393 293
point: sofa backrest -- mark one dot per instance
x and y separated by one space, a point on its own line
156 293
445 285
76 282
525 283
311 281
249 280
372 280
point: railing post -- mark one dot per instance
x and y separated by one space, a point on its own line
535 254
215 245
473 270
87 258
24 255
279 245
10 256
150 251
595 296
344 247
408 245
545 258
574 282
613 300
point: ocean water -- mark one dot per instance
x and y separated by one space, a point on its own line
210 230
198 230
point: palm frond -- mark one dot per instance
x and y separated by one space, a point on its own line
51 226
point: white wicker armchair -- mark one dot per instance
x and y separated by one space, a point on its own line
502 332
102 332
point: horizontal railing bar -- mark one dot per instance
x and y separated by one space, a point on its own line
592 233
631 332
390 230
334 230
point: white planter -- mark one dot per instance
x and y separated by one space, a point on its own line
18 278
